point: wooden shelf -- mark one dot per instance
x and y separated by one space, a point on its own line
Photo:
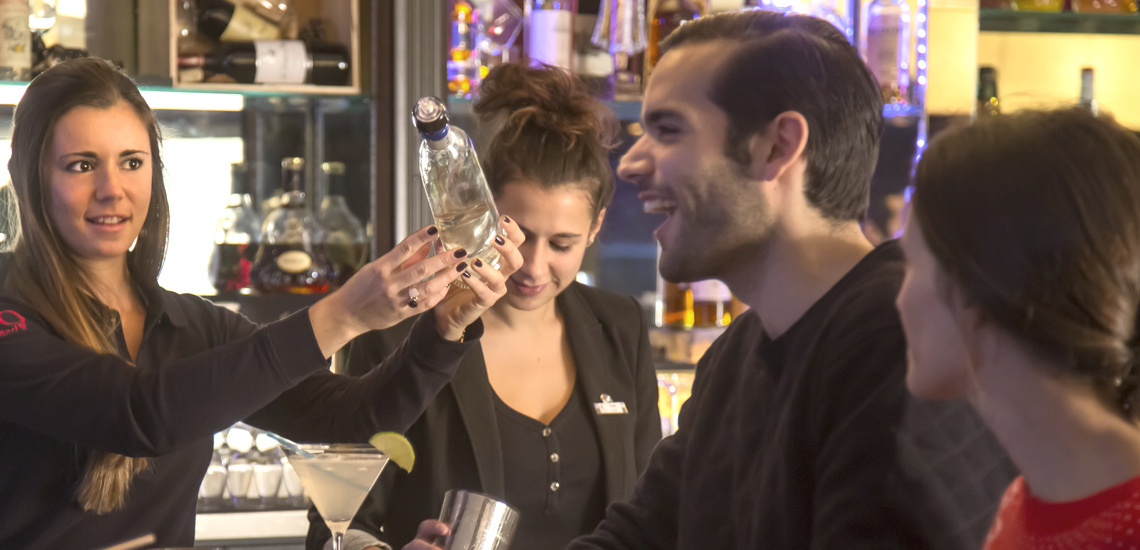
993 20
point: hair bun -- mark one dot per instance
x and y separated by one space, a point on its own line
549 98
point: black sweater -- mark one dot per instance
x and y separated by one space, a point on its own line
797 442
200 368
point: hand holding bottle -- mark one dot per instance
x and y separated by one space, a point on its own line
484 287
389 290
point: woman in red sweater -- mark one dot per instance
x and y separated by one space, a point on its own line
1021 295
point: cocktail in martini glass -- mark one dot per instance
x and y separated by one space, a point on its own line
337 477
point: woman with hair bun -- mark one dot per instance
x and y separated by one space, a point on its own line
519 422
1021 296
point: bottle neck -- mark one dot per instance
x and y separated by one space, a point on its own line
238 199
293 199
334 202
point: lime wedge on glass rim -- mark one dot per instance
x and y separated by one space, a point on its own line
397 447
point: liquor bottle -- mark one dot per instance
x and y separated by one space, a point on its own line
291 258
462 66
344 238
988 104
670 15
1037 5
675 305
457 191
884 44
1104 6
226 21
550 32
275 62
235 239
15 40
1087 99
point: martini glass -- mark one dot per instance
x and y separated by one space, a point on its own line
336 477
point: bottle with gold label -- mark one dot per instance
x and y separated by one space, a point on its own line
666 17
674 304
291 259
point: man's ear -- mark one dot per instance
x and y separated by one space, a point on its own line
597 226
779 146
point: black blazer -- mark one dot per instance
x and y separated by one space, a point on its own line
457 438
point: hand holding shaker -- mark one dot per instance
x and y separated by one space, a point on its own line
457 191
477 522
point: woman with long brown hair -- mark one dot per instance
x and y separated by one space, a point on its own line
1021 295
110 386
521 420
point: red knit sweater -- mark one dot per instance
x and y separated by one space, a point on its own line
1107 520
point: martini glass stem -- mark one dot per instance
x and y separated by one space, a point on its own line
338 540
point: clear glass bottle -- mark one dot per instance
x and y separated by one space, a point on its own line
344 237
550 32
15 40
235 237
291 258
457 191
884 43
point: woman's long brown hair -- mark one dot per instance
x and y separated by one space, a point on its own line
43 272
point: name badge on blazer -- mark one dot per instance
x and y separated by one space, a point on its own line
609 406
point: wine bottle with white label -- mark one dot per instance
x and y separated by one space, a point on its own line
275 62
291 259
225 21
550 32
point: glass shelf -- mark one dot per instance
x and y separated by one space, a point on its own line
630 110
220 97
995 20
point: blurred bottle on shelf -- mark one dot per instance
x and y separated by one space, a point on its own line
344 238
550 32
674 305
668 16
235 237
826 10
15 40
884 44
1104 6
225 21
279 12
1087 98
988 104
699 304
711 304
498 26
462 65
1037 5
290 258
621 30
274 62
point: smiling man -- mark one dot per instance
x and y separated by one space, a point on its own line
761 135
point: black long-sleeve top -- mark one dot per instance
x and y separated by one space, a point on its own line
199 369
809 441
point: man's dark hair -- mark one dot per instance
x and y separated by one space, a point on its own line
802 64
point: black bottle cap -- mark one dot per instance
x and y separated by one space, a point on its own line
430 116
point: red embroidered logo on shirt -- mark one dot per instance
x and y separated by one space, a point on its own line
10 322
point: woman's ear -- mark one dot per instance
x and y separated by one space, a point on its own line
596 227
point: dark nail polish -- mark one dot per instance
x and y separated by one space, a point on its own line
466 274
506 218
460 253
433 230
461 266
478 262
499 240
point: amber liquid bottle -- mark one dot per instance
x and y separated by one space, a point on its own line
670 15
291 259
